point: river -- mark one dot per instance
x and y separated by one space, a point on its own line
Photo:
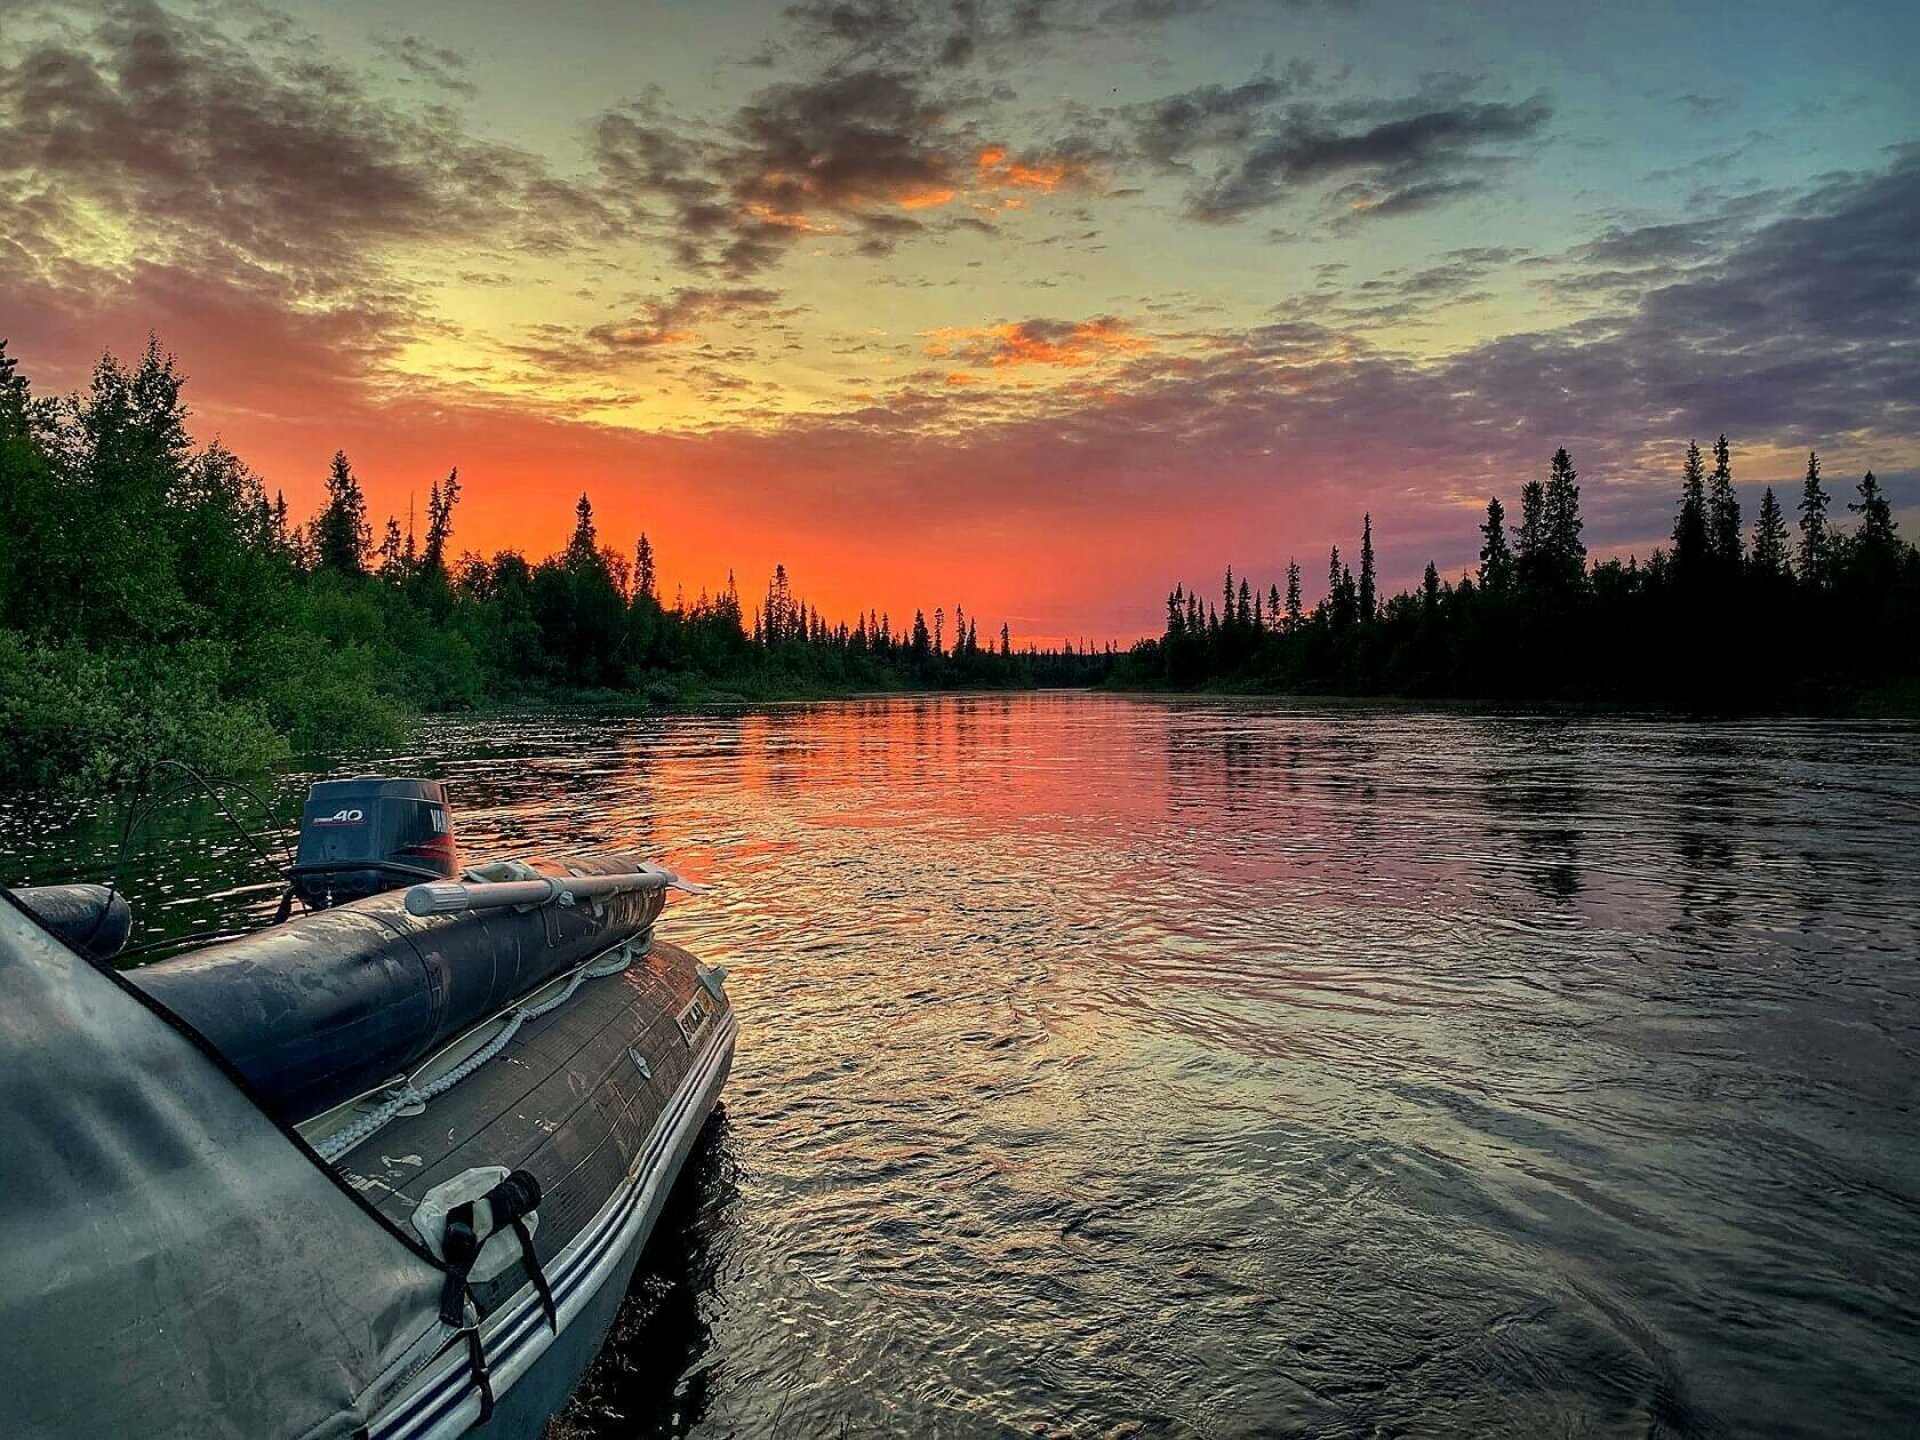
1115 1066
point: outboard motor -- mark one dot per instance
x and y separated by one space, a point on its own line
361 836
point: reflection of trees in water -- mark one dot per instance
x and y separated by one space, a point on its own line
1536 792
1720 794
648 1378
1215 761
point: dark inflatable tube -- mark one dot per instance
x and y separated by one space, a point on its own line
332 1004
91 918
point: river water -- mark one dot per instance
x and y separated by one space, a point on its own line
1115 1067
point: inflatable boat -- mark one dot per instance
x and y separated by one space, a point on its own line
381 1169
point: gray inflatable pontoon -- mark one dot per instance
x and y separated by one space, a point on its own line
383 1170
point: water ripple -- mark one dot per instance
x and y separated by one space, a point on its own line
1121 1067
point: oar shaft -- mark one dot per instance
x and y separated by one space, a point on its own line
453 897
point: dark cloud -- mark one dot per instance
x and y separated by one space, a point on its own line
842 143
258 162
861 152
1400 157
1169 131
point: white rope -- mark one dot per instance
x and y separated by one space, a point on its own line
341 1141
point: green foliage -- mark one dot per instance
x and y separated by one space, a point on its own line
155 605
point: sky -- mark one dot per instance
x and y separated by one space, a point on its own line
1034 307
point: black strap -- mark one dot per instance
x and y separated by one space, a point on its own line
532 1262
460 1245
477 1358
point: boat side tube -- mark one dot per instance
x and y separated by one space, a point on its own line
337 1003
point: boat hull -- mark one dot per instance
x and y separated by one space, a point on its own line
602 1101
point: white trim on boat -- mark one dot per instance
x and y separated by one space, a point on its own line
443 1402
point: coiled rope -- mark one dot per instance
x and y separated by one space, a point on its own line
337 1144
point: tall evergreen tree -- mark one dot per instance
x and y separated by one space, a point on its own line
1877 541
1530 537
583 547
1770 539
1496 559
1334 567
1367 588
341 535
392 553
1295 616
1690 525
1566 552
1815 541
440 503
1723 512
645 582
1430 590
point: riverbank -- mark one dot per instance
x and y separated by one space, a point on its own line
158 606
1898 700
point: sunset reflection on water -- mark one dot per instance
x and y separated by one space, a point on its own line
1233 1067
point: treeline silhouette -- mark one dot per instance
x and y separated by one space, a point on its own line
156 603
1815 614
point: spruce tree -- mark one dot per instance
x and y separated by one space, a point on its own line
440 503
644 579
1430 590
1496 559
1333 581
1530 538
583 547
1690 525
1878 533
1366 569
1815 541
392 565
1294 614
1770 539
1723 512
1566 553
341 535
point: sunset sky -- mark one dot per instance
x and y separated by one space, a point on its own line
1035 307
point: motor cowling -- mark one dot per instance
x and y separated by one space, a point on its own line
370 834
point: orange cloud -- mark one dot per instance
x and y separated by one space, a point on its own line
998 170
1040 342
